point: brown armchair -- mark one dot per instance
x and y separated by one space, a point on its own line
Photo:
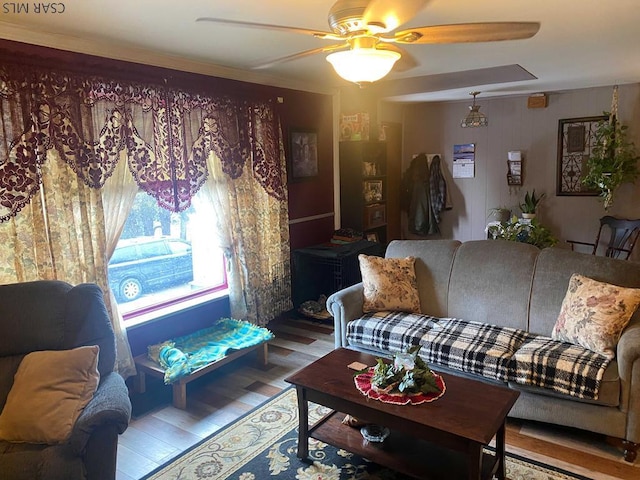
623 237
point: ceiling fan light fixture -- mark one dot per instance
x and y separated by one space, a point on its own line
363 65
474 118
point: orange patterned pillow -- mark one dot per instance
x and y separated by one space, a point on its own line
593 314
389 284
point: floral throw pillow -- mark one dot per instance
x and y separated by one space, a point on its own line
593 314
389 284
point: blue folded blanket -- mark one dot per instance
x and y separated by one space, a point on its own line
181 356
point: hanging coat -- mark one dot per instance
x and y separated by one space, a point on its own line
423 195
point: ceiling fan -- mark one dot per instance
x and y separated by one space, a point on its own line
370 43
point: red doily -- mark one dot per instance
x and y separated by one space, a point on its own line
363 383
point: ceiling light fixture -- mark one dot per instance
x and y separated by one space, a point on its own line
363 65
474 118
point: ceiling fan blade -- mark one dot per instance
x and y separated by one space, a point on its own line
295 56
267 26
391 13
467 32
406 62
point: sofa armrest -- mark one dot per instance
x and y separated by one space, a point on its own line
109 405
628 356
344 306
628 350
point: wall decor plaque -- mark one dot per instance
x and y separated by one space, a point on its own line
576 138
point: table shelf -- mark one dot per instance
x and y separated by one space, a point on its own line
400 452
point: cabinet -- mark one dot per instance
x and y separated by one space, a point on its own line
364 188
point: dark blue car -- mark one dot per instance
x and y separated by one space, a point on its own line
143 264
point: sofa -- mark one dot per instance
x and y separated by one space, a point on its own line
49 322
512 287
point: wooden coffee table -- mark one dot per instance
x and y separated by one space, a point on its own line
443 439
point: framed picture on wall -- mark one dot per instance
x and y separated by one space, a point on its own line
576 138
303 154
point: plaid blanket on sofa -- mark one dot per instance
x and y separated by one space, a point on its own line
500 353
560 366
473 347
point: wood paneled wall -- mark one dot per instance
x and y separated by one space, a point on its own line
435 128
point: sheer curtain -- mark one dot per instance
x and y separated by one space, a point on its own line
118 195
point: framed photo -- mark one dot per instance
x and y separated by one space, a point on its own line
374 216
372 190
303 154
372 237
369 169
576 138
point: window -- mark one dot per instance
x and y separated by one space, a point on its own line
164 258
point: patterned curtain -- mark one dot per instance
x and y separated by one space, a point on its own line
166 135
253 228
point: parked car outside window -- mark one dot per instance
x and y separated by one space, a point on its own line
145 264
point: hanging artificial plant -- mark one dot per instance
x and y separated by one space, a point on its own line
613 159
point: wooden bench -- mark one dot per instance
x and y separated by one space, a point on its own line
146 366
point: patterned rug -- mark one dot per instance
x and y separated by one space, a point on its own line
263 443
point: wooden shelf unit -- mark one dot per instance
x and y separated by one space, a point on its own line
364 187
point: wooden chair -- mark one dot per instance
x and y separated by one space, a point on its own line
624 235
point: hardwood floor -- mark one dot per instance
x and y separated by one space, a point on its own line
159 432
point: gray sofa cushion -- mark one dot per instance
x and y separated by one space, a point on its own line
53 315
434 260
22 329
491 281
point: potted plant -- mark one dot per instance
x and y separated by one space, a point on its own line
528 207
516 231
500 214
613 160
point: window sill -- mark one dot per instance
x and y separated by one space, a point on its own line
159 314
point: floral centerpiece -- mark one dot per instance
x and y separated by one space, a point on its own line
407 380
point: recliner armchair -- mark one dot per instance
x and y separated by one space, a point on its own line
53 315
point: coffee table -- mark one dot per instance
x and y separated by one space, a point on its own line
443 439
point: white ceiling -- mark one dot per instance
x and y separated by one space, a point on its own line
581 43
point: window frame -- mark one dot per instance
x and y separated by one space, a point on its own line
152 312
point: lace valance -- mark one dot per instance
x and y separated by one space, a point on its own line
164 133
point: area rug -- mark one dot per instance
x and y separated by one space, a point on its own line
263 444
